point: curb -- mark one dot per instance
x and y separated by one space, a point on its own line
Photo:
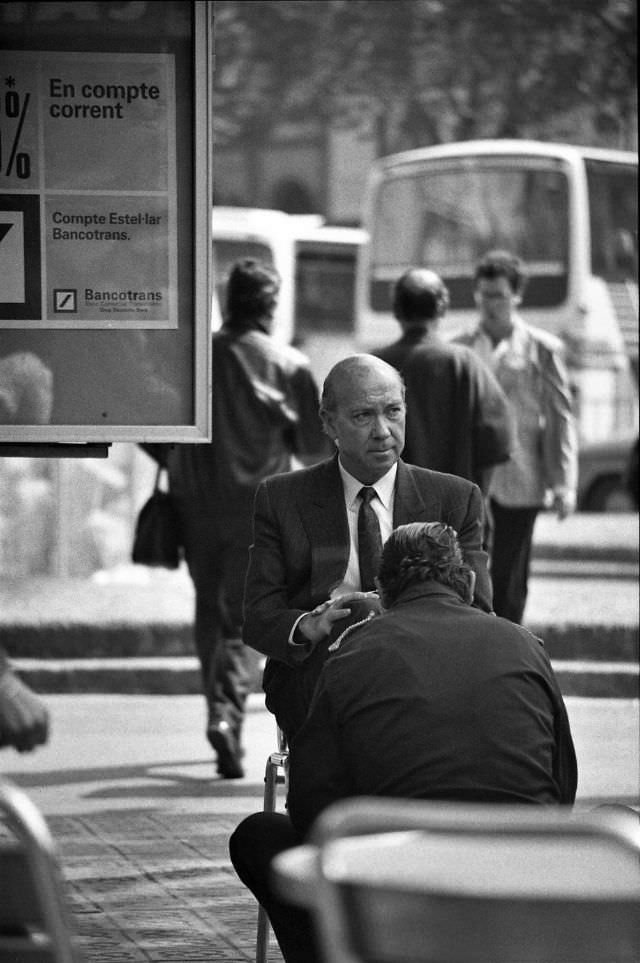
77 640
180 675
113 640
171 675
595 642
554 551
598 680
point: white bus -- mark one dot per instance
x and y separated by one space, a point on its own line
317 265
570 212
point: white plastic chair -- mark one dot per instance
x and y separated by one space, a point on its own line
423 882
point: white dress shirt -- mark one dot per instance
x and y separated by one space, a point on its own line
382 506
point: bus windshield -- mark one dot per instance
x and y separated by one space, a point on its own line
325 287
448 215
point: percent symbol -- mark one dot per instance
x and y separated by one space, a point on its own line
21 160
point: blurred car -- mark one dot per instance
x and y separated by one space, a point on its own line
603 468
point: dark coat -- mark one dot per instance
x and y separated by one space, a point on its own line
264 410
434 699
300 553
458 417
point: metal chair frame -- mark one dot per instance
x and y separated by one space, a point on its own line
35 923
276 774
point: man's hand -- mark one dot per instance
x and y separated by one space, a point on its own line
24 718
317 625
564 504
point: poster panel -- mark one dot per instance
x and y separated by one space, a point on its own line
105 189
106 209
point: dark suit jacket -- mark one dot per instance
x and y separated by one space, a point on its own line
434 699
301 547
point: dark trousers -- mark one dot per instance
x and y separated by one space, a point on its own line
218 570
252 847
510 556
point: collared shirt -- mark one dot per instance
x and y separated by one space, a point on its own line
382 506
514 351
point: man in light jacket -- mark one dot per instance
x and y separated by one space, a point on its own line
542 469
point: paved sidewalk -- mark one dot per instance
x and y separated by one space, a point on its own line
148 885
127 787
142 824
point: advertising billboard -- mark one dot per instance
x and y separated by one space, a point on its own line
105 194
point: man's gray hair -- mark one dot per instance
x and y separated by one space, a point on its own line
421 552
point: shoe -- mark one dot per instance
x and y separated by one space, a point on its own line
221 738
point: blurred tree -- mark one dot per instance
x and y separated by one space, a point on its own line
429 71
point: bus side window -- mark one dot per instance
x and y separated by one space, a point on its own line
325 291
613 212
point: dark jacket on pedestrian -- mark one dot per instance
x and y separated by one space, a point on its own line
264 410
458 417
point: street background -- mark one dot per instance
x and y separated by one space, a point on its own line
306 96
127 781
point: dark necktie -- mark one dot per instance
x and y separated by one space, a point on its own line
369 540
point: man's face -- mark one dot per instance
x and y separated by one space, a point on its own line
368 424
497 302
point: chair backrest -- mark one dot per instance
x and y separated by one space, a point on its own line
34 920
415 882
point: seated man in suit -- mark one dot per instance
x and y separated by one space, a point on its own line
432 699
317 537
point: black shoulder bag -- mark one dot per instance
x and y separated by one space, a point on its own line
157 539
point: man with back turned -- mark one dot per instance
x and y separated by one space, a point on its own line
432 699
458 417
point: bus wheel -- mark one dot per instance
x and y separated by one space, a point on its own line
607 495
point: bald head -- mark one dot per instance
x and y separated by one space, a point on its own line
420 295
363 412
352 374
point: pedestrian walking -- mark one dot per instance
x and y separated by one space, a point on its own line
264 412
542 470
458 417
